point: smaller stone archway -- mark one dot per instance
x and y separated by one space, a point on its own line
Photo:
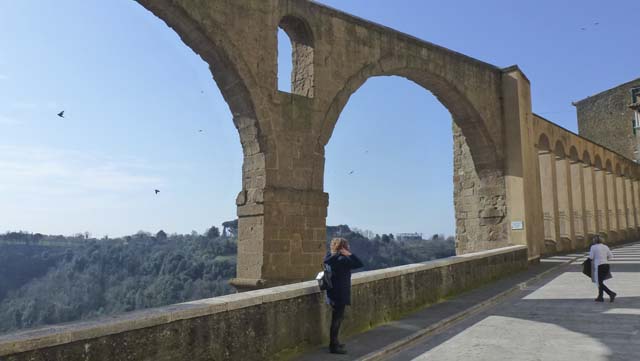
629 202
602 210
564 196
576 177
548 190
610 187
590 196
302 43
620 201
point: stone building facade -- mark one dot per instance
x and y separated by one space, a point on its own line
608 119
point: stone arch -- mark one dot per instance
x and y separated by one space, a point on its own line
573 154
597 163
586 158
608 166
546 174
563 190
601 210
610 187
485 154
559 150
246 100
302 44
230 73
543 142
590 194
619 200
479 188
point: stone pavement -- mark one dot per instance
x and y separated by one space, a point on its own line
367 344
554 319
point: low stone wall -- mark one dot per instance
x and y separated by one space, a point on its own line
265 324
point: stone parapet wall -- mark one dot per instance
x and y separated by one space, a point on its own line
263 324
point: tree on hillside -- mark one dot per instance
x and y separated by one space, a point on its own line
213 232
161 235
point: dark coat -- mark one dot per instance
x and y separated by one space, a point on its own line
341 267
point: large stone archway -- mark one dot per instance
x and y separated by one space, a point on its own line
282 206
479 185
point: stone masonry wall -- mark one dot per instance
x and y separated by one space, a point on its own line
479 203
606 119
264 324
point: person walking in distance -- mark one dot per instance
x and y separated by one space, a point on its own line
600 255
341 261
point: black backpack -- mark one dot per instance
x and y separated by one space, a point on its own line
324 278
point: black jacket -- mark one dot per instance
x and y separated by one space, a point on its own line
341 267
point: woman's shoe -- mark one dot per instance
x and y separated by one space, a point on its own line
340 350
613 296
599 300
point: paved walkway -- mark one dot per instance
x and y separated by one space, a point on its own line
555 319
378 339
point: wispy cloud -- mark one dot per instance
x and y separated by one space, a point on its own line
25 105
55 172
4 120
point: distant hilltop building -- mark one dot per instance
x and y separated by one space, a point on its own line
409 236
612 118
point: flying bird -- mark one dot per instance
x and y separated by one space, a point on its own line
157 191
583 29
61 114
200 131
350 173
596 24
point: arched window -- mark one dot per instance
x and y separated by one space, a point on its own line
295 57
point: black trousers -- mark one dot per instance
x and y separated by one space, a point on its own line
603 271
336 320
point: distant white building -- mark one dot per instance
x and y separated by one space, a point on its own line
409 236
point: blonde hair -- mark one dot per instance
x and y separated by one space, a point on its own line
337 244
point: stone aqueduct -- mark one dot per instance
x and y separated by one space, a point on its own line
524 187
518 179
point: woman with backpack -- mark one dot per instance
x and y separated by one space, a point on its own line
341 261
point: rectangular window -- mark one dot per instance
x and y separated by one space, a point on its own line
635 95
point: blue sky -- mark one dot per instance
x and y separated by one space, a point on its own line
135 98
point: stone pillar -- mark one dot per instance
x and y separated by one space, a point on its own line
282 217
636 199
549 201
621 205
611 206
522 177
281 237
602 205
630 208
479 201
565 226
589 201
578 198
